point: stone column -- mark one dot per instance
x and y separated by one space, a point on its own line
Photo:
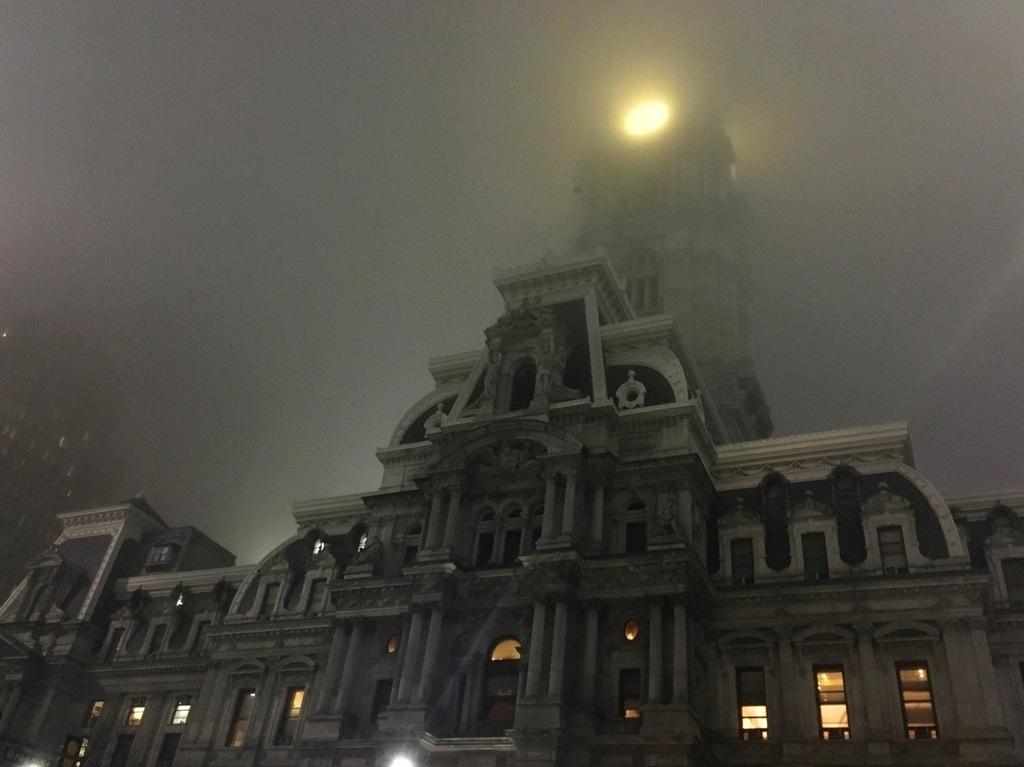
403 640
430 655
536 660
451 524
680 656
349 669
655 655
569 505
963 674
590 656
547 530
409 667
433 520
597 515
791 687
871 694
337 655
986 675
556 677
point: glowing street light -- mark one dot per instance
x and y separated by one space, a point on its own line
644 119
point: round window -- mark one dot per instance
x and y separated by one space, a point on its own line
631 630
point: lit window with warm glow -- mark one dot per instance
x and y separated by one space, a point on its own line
181 710
833 719
244 706
752 701
136 712
290 717
647 118
507 649
631 630
95 709
916 698
392 646
630 693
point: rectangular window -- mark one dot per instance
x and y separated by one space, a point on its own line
381 697
752 701
409 556
636 537
244 705
168 750
510 546
115 640
833 720
894 553
290 716
742 553
182 708
484 548
916 698
159 631
815 556
73 753
135 713
200 634
122 750
317 595
630 693
1013 576
93 715
270 598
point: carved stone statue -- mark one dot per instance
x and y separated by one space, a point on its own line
668 518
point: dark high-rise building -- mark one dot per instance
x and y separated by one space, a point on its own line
57 412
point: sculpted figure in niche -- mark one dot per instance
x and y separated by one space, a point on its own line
631 394
668 517
490 391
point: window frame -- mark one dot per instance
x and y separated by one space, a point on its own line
913 732
742 702
822 699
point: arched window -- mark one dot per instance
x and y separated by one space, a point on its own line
486 533
501 683
411 543
849 528
776 523
512 536
523 383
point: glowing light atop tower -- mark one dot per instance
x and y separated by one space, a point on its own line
649 117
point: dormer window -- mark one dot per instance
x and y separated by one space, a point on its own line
162 555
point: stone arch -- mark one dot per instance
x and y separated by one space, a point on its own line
551 439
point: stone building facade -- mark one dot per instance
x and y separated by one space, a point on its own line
570 560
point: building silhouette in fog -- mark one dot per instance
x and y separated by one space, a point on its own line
57 411
585 550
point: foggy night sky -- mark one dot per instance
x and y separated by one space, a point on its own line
270 215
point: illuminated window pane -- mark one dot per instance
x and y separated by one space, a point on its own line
752 700
136 712
916 697
244 706
507 649
894 553
392 644
631 630
832 714
290 716
630 684
95 709
181 710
